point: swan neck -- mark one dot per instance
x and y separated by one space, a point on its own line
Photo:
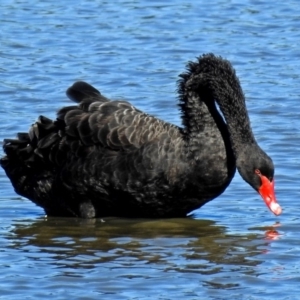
237 120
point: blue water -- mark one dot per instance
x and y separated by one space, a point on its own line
233 247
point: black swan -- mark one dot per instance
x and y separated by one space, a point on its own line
107 158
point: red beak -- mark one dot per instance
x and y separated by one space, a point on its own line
266 191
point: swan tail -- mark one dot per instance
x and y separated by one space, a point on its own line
28 162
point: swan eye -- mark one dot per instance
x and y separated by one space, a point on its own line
257 172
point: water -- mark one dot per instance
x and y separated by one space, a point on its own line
232 248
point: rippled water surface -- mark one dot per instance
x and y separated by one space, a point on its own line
233 248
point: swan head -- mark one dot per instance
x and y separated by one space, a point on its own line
257 169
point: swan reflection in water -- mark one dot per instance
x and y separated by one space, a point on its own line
181 245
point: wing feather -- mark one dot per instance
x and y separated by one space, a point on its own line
115 125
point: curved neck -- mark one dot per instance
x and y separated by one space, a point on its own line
209 80
199 118
204 126
213 80
231 100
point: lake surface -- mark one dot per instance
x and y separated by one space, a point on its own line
233 247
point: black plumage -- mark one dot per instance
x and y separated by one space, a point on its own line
107 158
